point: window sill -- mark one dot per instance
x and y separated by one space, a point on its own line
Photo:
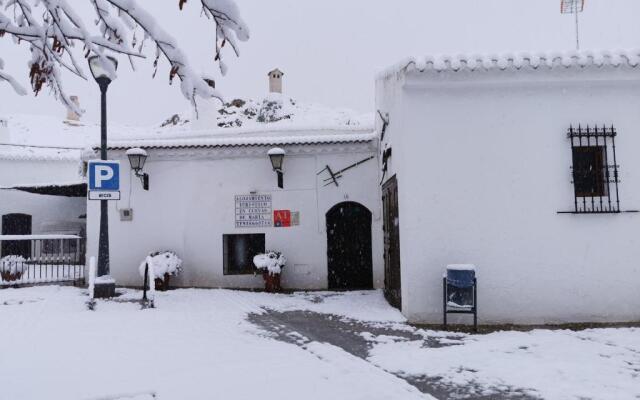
240 273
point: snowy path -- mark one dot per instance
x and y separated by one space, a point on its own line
196 345
208 344
306 328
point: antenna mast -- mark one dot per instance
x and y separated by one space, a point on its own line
573 7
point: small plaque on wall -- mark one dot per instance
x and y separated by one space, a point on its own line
286 218
253 211
295 218
282 218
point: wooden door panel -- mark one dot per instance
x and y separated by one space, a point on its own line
391 227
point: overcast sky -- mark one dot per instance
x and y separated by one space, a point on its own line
331 50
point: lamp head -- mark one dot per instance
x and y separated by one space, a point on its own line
101 74
276 155
137 158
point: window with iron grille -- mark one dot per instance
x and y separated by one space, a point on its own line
594 170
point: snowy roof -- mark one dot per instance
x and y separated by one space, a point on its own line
259 139
275 120
515 61
277 112
44 138
28 153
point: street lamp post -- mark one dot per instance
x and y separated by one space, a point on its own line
103 77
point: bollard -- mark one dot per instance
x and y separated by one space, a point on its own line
92 276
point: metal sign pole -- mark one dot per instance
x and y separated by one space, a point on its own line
103 239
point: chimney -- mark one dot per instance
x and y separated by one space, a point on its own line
72 116
275 81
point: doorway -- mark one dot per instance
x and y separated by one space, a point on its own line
349 247
16 224
391 229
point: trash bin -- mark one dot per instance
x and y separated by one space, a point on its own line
460 284
460 291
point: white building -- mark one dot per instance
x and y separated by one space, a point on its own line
41 180
481 150
214 199
42 187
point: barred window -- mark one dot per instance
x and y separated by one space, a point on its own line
589 175
594 170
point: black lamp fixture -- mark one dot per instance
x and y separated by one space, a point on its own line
103 69
137 158
100 70
276 155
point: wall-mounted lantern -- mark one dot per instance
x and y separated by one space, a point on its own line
276 155
137 158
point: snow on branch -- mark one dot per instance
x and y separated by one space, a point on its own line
7 78
56 35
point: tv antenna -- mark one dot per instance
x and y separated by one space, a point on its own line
573 7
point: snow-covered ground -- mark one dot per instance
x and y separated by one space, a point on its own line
199 344
195 345
590 364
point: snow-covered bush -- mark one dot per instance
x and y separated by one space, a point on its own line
11 268
10 264
164 263
275 108
271 261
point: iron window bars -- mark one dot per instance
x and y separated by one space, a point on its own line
594 170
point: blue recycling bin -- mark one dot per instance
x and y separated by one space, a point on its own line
460 288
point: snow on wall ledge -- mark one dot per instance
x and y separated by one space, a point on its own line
514 61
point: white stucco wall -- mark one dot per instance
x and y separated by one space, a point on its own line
48 212
190 206
483 164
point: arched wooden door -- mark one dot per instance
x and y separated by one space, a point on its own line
349 247
16 224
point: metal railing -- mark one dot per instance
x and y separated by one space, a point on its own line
33 259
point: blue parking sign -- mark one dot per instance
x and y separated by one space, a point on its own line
104 176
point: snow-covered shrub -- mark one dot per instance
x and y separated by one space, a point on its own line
271 261
275 109
10 264
11 268
164 263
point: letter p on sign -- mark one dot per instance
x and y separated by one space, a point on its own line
104 175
